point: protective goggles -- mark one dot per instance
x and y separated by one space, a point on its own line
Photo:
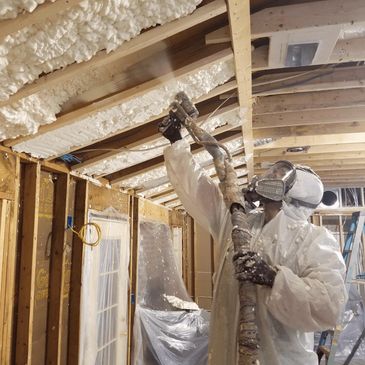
276 182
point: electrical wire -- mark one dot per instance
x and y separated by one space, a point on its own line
81 234
294 76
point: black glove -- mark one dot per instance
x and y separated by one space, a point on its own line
249 266
170 128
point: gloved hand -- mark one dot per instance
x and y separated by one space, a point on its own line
249 266
170 128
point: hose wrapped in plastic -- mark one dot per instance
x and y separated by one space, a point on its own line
241 235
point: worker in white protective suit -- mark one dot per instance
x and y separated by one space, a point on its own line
297 265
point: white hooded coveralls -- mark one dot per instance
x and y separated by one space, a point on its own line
308 293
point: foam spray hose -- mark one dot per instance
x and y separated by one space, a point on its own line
241 235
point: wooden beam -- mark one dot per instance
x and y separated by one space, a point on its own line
310 117
102 58
80 218
303 16
4 237
321 79
24 337
46 12
56 281
156 162
296 17
328 165
123 96
304 131
239 22
301 157
154 138
314 140
134 233
281 153
310 101
8 284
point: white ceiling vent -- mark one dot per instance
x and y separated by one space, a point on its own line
303 47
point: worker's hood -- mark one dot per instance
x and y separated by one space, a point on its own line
307 188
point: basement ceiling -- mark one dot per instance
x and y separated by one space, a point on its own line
91 80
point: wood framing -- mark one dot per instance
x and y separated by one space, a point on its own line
320 79
239 21
123 96
148 134
24 337
310 117
80 218
134 238
7 283
42 13
309 101
144 40
56 281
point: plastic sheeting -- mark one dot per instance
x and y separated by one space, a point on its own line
164 335
104 297
354 324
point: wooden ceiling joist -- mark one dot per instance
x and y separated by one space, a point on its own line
300 102
153 136
44 12
320 130
296 17
322 79
239 22
310 117
310 150
314 140
303 157
102 58
158 161
123 96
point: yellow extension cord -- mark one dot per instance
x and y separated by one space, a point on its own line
82 234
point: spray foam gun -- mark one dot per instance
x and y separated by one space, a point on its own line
185 112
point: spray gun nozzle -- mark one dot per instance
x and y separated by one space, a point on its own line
183 100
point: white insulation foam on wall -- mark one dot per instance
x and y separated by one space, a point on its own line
129 158
129 114
153 177
77 35
10 9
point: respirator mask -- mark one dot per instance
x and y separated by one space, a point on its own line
275 184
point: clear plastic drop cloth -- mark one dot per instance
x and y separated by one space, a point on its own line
104 293
354 325
164 334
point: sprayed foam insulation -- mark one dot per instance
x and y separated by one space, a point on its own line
10 9
154 177
131 113
26 115
76 36
156 190
129 158
165 198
